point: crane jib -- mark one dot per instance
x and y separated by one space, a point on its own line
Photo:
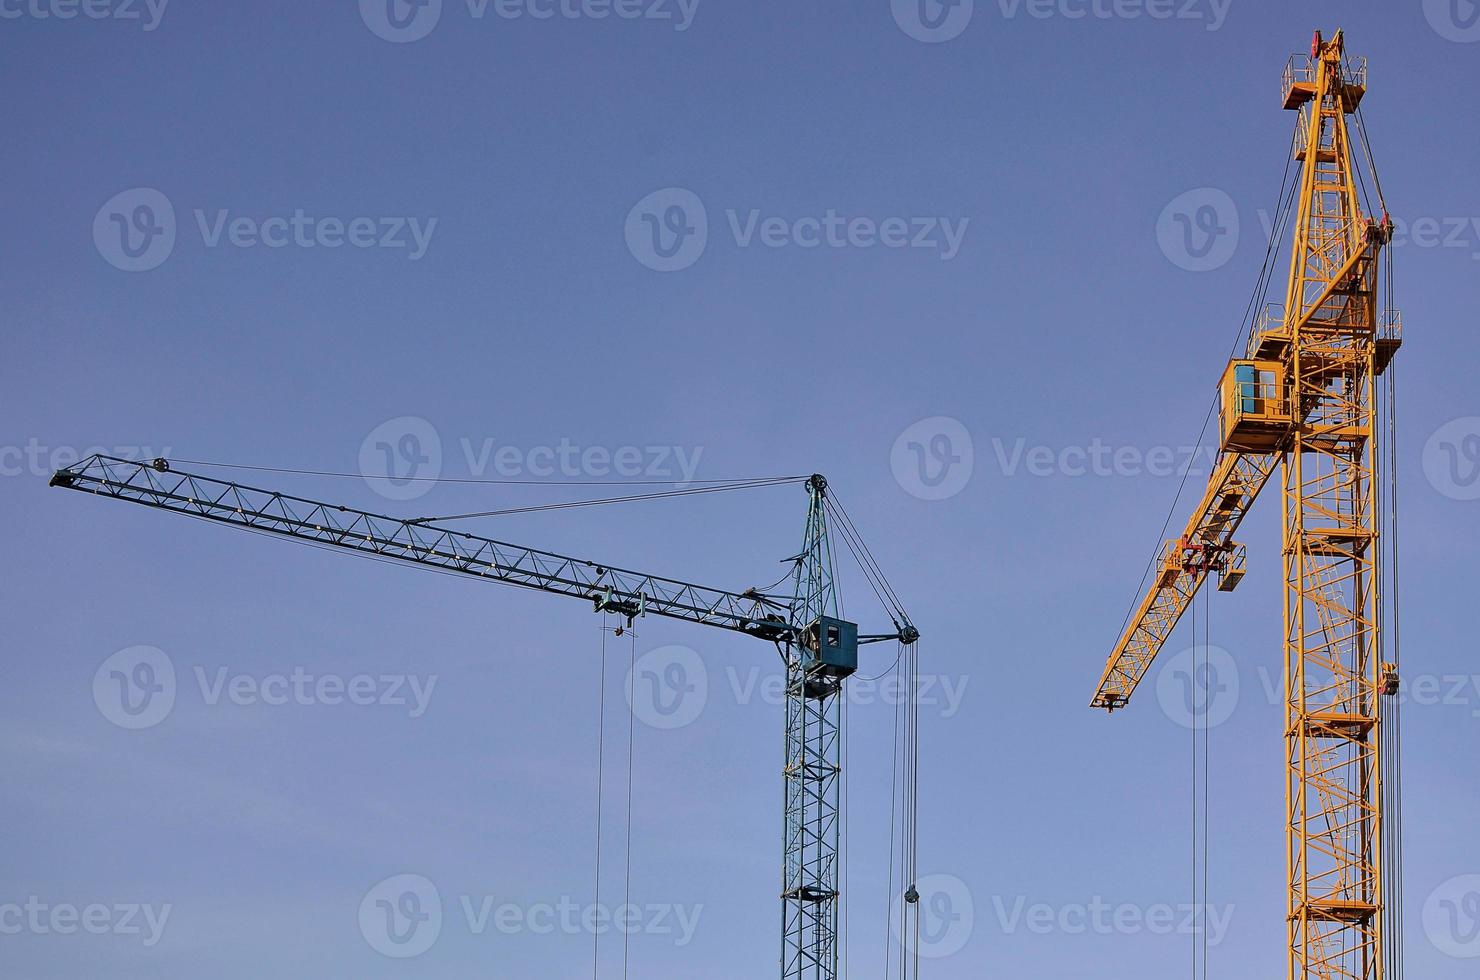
620 591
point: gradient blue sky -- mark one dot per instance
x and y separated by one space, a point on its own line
1063 320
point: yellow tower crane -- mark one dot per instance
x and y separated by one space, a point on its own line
1304 400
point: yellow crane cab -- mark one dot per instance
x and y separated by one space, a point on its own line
1254 406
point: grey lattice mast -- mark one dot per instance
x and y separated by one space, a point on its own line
821 648
816 668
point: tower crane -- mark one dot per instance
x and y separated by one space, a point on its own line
1303 399
819 647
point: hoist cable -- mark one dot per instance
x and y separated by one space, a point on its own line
893 796
600 770
1207 771
1371 163
1192 730
1283 203
627 859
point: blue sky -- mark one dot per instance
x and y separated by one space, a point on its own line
875 231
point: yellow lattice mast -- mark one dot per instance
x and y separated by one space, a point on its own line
1304 398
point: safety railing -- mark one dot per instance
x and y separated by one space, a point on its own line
1390 325
1301 69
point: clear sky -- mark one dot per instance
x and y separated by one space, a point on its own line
945 255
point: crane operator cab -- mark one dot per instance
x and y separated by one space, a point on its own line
1254 407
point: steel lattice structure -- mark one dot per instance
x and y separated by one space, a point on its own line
1304 398
809 887
820 649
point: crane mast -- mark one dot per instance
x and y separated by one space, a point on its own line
820 648
1303 399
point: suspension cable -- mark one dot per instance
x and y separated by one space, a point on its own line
341 474
1283 203
883 579
598 501
600 771
627 858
